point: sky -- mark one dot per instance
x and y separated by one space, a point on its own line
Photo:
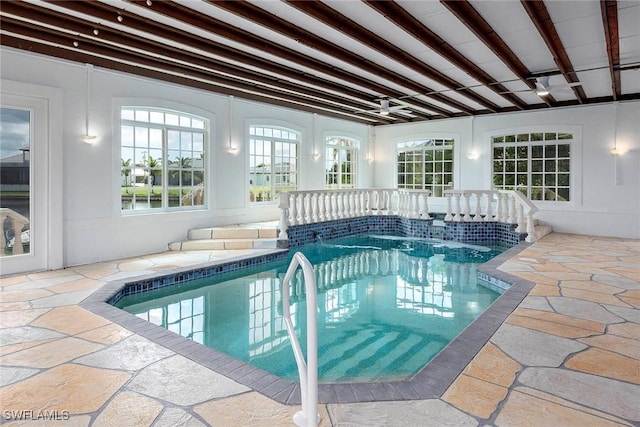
14 131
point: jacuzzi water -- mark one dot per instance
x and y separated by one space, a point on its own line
386 306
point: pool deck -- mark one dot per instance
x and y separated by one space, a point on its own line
568 355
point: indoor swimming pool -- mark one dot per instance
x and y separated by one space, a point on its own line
386 306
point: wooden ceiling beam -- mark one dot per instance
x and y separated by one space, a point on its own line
469 16
119 38
609 10
541 19
104 12
339 22
59 42
220 28
262 17
403 19
81 57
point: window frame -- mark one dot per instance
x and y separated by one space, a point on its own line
199 125
441 162
272 179
351 147
541 146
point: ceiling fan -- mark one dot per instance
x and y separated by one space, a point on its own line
543 88
385 109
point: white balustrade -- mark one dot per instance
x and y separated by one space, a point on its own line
308 207
511 207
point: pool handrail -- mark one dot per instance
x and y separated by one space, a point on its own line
308 371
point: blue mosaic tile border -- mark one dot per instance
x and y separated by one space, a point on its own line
176 278
463 232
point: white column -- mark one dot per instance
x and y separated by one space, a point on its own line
467 207
489 214
478 215
458 214
449 216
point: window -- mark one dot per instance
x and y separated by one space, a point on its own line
340 166
162 159
273 162
426 165
538 164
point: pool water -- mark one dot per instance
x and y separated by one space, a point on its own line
386 306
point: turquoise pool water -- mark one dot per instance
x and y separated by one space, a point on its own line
386 306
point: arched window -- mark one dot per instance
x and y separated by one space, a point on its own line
273 162
340 162
425 164
536 163
162 159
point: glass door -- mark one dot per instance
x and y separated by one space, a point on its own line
26 241
15 180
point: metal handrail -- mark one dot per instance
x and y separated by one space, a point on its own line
308 371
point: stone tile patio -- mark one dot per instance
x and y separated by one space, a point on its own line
569 355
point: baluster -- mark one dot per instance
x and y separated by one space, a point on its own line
531 229
314 207
499 207
304 206
284 215
415 209
489 215
321 206
448 216
478 216
467 207
340 205
512 209
425 211
458 215
367 201
351 204
294 209
345 205
520 219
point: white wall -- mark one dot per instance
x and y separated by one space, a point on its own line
95 230
93 227
605 188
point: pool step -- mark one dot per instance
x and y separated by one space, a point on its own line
245 236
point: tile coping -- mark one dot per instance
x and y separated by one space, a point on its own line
430 382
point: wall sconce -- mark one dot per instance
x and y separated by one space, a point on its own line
371 144
87 138
316 154
230 148
615 151
473 153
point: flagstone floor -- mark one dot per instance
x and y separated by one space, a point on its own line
569 355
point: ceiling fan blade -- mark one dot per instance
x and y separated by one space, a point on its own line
563 86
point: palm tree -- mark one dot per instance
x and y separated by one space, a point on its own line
155 168
126 170
184 172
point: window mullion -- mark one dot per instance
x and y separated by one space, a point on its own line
165 168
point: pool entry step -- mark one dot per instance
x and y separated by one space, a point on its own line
239 236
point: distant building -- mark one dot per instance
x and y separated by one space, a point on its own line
14 172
